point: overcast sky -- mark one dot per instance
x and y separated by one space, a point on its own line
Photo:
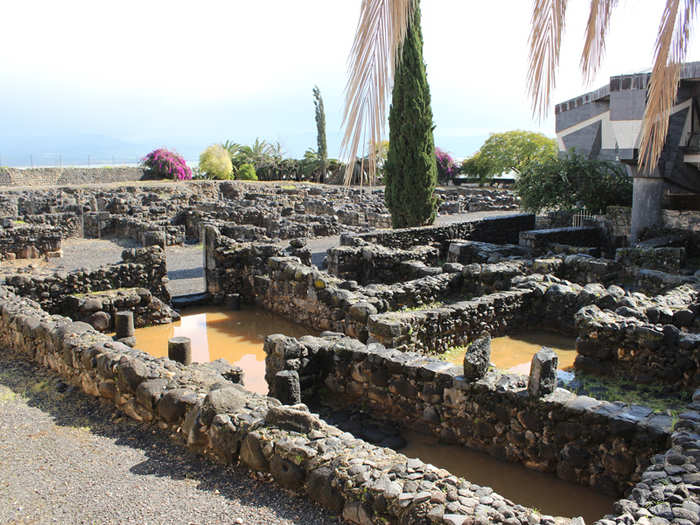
92 77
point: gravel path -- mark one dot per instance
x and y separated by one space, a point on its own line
63 461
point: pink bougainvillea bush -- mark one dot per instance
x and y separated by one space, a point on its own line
167 164
446 166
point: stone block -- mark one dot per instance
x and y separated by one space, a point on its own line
477 358
287 388
543 373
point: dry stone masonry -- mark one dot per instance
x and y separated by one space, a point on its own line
389 302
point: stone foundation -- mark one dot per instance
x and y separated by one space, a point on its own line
604 445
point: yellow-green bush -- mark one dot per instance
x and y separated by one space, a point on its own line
215 162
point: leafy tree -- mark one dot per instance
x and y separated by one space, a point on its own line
410 172
215 162
509 151
572 182
477 166
322 150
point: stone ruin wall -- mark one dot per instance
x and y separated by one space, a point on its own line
140 268
35 177
603 445
29 242
203 406
498 230
508 295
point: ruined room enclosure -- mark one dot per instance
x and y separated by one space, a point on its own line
394 302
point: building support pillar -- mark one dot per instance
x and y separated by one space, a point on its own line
647 198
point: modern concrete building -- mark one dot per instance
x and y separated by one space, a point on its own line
606 124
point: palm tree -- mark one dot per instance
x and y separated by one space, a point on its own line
382 27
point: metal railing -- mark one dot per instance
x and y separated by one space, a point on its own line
580 218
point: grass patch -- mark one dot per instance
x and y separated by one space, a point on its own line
659 398
429 306
7 395
101 292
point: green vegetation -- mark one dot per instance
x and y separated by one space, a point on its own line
653 396
509 151
215 163
246 172
322 150
573 182
410 171
434 304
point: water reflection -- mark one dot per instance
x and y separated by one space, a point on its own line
237 337
545 492
514 352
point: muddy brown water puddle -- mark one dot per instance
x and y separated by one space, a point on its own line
236 336
514 352
545 492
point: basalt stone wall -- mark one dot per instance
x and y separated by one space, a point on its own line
688 220
262 274
649 353
497 230
372 263
664 259
140 268
204 406
64 176
467 252
29 242
605 445
437 329
668 491
513 299
540 240
98 309
68 224
462 200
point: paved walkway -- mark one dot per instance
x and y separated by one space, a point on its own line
68 458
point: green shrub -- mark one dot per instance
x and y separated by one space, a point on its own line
573 182
246 172
215 162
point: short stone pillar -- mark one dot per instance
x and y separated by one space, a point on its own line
287 387
478 358
180 350
233 301
543 373
124 324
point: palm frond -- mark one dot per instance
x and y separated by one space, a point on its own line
670 51
548 17
375 51
596 31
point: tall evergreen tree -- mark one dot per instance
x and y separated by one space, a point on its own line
321 132
410 172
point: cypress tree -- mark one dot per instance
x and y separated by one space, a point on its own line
321 132
410 171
